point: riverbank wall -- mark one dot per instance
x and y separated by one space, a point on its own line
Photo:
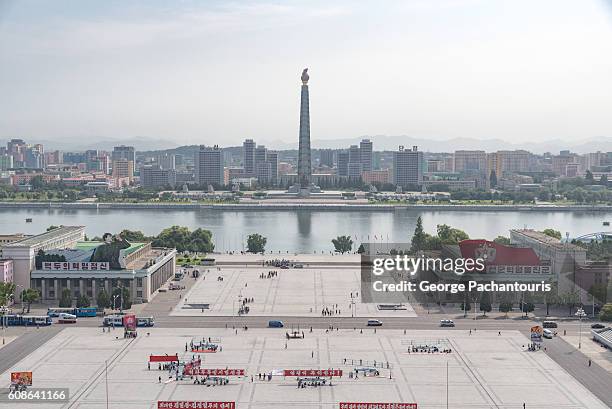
304 206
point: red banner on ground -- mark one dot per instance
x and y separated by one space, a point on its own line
163 358
194 405
215 372
380 405
21 378
312 372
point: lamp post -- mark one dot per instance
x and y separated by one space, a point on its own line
580 313
114 300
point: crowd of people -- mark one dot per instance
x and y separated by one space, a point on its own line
271 274
328 312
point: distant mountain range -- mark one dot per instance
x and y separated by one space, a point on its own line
385 142
381 142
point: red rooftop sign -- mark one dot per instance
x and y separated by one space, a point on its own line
380 405
194 405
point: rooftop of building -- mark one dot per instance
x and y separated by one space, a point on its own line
547 240
90 245
49 235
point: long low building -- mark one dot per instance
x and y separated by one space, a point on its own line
61 259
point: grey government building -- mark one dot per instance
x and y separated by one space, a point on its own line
67 264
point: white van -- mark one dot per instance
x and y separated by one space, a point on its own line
548 333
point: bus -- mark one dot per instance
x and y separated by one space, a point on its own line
117 321
55 312
113 321
79 312
86 312
14 320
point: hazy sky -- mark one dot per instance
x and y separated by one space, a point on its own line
219 71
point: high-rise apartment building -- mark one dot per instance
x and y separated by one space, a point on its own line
248 147
166 161
342 160
124 152
470 161
123 168
152 176
326 157
407 167
272 159
508 162
208 165
365 153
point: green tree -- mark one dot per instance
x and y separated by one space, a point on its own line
127 299
419 238
52 227
552 233
603 180
606 313
502 240
29 296
103 300
134 236
7 293
361 249
450 235
485 303
83 301
527 307
65 299
256 243
37 182
493 179
570 299
342 244
589 177
505 307
200 241
173 237
599 292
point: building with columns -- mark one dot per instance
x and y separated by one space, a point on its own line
144 268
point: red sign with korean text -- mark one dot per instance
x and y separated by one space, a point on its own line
194 405
379 405
312 372
215 372
163 358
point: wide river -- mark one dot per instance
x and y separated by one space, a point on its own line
302 230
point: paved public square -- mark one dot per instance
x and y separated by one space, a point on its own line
301 292
486 370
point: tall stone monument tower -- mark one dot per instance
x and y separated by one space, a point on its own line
304 159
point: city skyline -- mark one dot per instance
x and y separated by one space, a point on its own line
521 78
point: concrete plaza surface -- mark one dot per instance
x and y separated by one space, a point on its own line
303 292
486 370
